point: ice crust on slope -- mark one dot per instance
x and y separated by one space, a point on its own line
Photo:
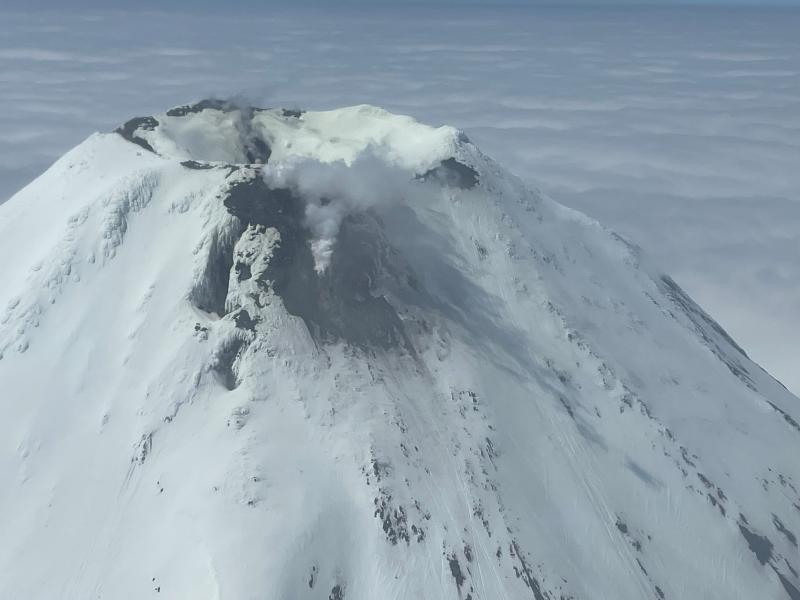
482 395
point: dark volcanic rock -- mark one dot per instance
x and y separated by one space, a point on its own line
453 173
340 303
129 128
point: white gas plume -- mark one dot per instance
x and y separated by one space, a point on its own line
334 190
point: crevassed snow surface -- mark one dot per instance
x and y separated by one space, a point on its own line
480 393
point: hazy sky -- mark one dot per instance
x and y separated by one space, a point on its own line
331 5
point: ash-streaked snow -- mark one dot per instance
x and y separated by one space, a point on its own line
676 127
484 394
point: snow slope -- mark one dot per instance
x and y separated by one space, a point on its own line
258 353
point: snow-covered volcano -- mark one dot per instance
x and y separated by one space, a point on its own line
271 354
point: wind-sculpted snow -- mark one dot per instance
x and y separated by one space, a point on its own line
368 363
